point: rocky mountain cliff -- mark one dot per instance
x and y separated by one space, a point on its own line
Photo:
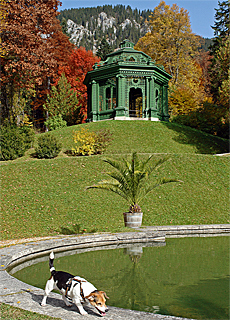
88 26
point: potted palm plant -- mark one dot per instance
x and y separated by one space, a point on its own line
131 181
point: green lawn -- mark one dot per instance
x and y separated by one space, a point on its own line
48 197
13 313
150 137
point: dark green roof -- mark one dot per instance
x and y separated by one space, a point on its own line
127 52
126 57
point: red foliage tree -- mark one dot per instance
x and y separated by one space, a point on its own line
32 40
80 62
33 46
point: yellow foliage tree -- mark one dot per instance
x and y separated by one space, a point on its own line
189 95
3 15
172 44
171 41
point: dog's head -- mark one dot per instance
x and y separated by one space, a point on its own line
97 299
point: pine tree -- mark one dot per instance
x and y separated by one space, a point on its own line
103 49
220 49
64 27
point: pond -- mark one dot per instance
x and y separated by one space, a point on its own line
187 277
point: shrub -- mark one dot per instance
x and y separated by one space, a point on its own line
103 140
85 142
55 122
89 142
29 136
15 141
48 146
209 118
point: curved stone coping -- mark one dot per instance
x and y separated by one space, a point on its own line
17 254
20 294
192 230
24 296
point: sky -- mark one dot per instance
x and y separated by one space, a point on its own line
201 12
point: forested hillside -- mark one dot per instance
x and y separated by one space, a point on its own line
88 26
45 56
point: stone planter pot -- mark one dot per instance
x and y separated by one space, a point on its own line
133 220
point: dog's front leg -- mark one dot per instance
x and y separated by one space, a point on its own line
77 302
68 304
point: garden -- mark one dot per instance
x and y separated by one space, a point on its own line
43 197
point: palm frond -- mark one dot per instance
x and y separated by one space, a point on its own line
147 189
130 178
110 186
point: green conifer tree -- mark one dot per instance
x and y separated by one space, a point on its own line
62 100
103 49
220 56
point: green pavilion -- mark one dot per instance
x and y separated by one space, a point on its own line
128 85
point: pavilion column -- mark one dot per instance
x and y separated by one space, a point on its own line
120 109
147 107
94 101
165 113
111 97
152 100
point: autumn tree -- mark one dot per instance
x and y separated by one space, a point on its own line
172 44
3 16
203 59
212 114
33 47
189 95
63 101
80 62
170 41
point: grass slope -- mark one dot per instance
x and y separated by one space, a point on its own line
150 137
48 197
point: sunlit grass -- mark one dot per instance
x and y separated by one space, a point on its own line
48 197
13 313
150 137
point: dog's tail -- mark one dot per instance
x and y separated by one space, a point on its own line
51 265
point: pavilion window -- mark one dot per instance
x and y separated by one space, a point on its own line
108 98
157 99
114 97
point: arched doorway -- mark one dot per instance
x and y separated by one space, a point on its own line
135 103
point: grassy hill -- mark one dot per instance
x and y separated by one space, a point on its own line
48 197
150 137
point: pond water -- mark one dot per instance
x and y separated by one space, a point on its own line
187 277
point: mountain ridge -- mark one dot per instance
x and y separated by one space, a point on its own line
86 27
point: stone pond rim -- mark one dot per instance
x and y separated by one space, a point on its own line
27 297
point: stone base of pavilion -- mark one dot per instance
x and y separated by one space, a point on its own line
135 118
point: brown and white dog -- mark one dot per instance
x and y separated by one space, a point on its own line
74 290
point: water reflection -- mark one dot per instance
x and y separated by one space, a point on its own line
199 297
27 262
134 252
134 286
